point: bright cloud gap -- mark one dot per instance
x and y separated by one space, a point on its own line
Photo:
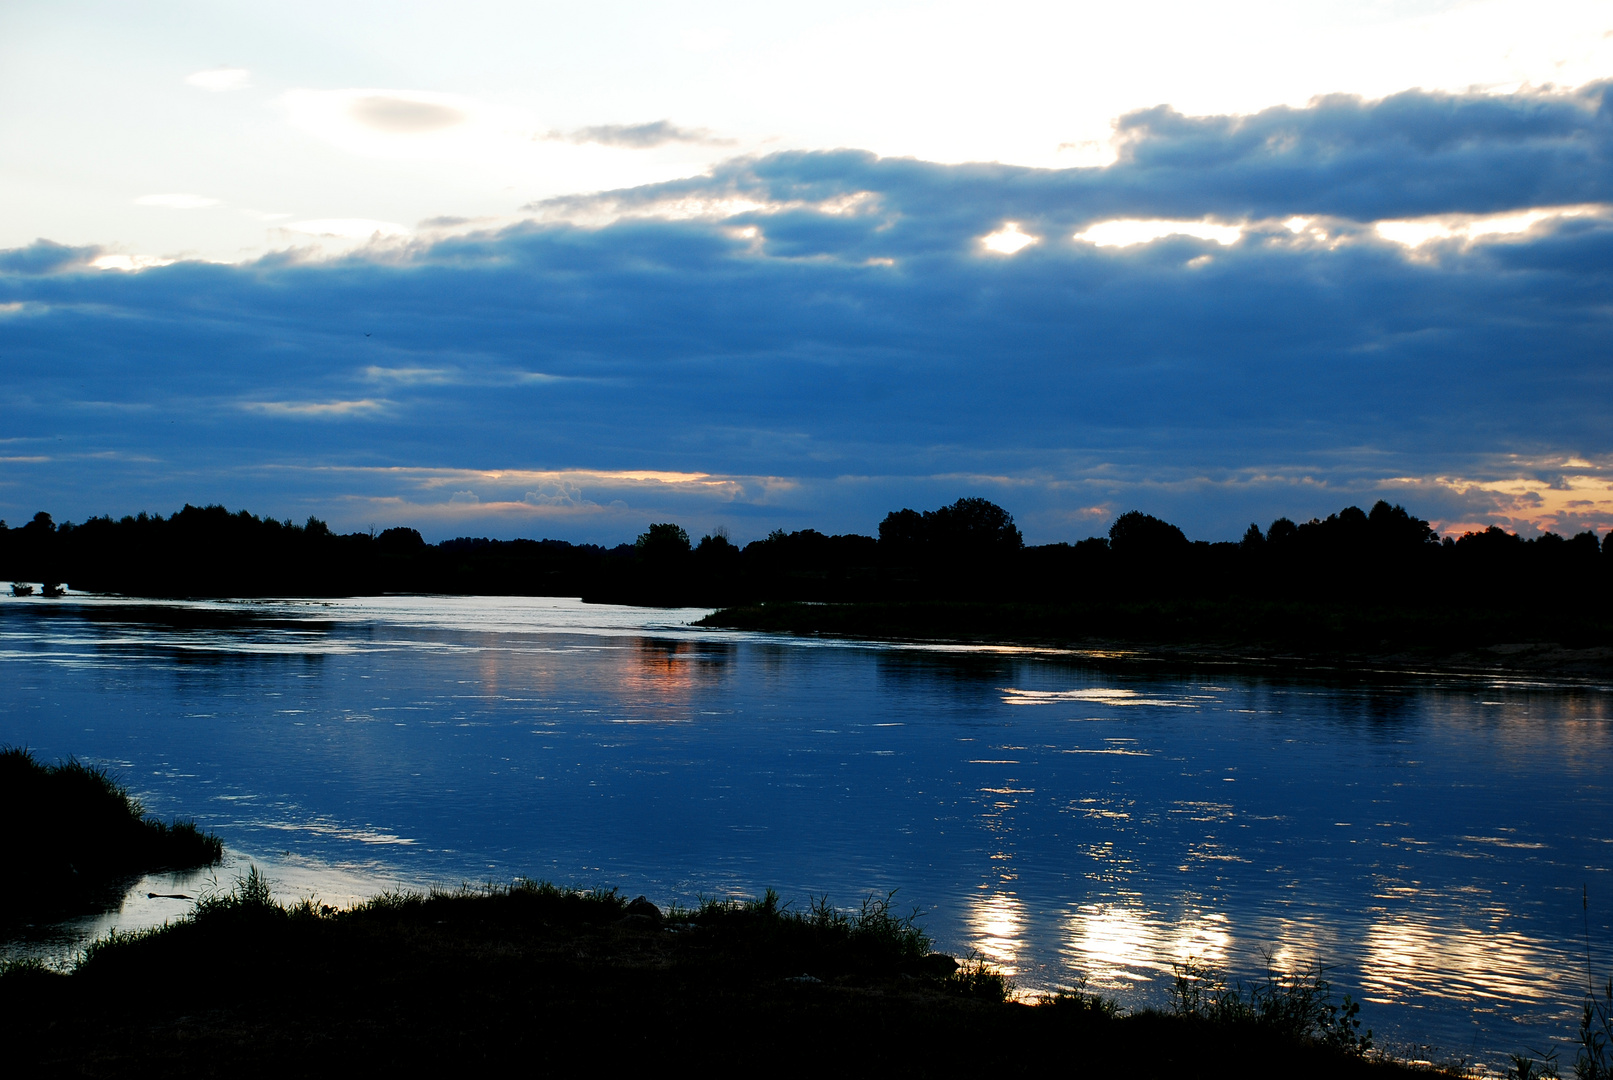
1127 232
1009 240
1415 232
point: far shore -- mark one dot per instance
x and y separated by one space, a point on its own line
1398 652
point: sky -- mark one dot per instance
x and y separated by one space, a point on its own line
564 270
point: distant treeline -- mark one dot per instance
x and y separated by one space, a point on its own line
968 551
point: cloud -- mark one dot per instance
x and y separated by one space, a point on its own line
403 116
407 125
1008 239
1467 228
641 136
45 257
555 493
817 338
220 79
1123 232
128 262
704 39
176 201
317 410
349 228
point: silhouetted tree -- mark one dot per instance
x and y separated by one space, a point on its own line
662 541
1138 535
400 541
903 532
968 529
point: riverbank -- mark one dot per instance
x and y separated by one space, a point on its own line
535 977
76 839
1192 633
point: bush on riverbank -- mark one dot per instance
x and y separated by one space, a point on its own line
74 836
536 977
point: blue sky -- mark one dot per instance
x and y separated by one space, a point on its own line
515 271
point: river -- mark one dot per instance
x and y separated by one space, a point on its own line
1065 815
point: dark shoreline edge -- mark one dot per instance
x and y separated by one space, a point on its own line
1392 646
533 975
76 840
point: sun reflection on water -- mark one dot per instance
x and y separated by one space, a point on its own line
1122 944
1407 953
1114 943
996 928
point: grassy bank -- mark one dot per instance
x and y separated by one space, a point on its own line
74 838
1232 628
535 978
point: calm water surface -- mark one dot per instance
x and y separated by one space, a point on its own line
1062 815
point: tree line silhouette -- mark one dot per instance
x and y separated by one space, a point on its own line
969 551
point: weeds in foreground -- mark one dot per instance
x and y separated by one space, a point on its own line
1297 1004
1594 1061
1533 1065
249 894
979 981
875 921
1593 1058
1077 1000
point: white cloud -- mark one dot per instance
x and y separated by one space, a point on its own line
1414 232
708 39
349 228
1008 240
555 493
409 376
464 498
317 409
129 262
407 124
178 200
404 116
1124 232
220 79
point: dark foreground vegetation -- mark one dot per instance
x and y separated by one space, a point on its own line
536 978
1378 581
74 839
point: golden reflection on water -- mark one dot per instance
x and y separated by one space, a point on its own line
1123 943
996 925
1405 953
1112 943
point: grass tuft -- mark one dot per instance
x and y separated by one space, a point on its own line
1076 1001
1594 1060
1296 1005
74 836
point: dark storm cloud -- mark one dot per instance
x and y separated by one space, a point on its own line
846 345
